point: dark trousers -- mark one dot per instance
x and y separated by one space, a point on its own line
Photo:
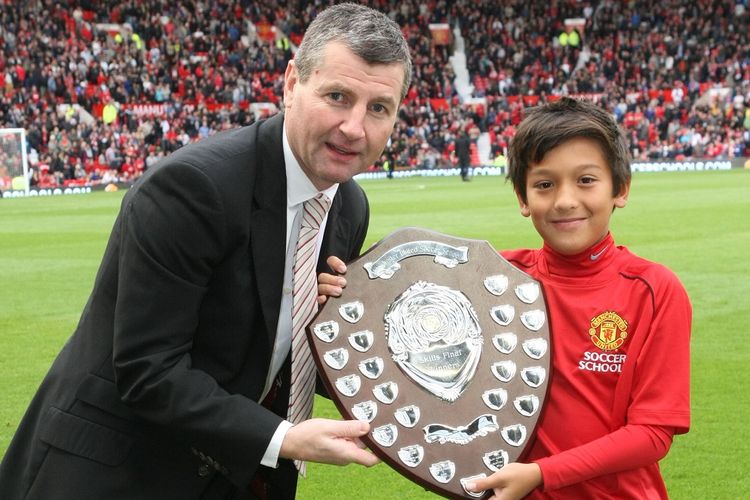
274 484
464 171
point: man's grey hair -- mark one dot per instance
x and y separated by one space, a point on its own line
370 34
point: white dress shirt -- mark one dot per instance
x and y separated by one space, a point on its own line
299 189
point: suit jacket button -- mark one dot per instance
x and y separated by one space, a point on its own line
204 470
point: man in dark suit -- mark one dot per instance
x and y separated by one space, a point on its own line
175 384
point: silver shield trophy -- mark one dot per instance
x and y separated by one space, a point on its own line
444 348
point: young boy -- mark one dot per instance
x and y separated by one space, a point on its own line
620 325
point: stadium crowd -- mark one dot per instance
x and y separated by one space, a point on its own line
105 92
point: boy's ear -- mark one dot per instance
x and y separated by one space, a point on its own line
622 197
524 206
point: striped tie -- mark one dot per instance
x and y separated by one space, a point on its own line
304 307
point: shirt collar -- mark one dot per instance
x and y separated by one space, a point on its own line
299 187
593 260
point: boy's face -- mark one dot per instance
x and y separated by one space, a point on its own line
569 196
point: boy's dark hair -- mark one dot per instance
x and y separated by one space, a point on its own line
546 127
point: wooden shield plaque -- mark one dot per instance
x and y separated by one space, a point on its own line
444 348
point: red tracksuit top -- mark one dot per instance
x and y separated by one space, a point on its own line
620 383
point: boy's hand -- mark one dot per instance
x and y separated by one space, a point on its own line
330 285
512 482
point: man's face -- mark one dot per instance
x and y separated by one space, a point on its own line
339 120
569 196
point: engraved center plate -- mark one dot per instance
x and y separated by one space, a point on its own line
444 348
434 337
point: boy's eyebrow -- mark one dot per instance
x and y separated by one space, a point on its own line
544 169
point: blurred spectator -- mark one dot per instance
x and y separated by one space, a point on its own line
463 154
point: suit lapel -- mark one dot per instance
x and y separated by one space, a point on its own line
268 221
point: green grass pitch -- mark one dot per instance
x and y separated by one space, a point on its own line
697 223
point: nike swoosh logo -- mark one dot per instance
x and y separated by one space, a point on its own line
598 254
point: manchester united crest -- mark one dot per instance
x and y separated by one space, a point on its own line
608 331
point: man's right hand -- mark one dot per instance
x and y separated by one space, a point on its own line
327 441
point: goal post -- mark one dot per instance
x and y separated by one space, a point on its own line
14 163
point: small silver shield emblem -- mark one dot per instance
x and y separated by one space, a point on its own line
503 315
386 392
495 460
504 370
443 471
505 342
352 311
533 320
408 416
533 376
411 455
535 348
528 292
514 435
497 284
371 367
361 341
526 405
385 435
495 399
365 411
336 358
466 480
326 331
348 385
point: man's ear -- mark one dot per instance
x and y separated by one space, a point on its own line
291 77
524 206
621 199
